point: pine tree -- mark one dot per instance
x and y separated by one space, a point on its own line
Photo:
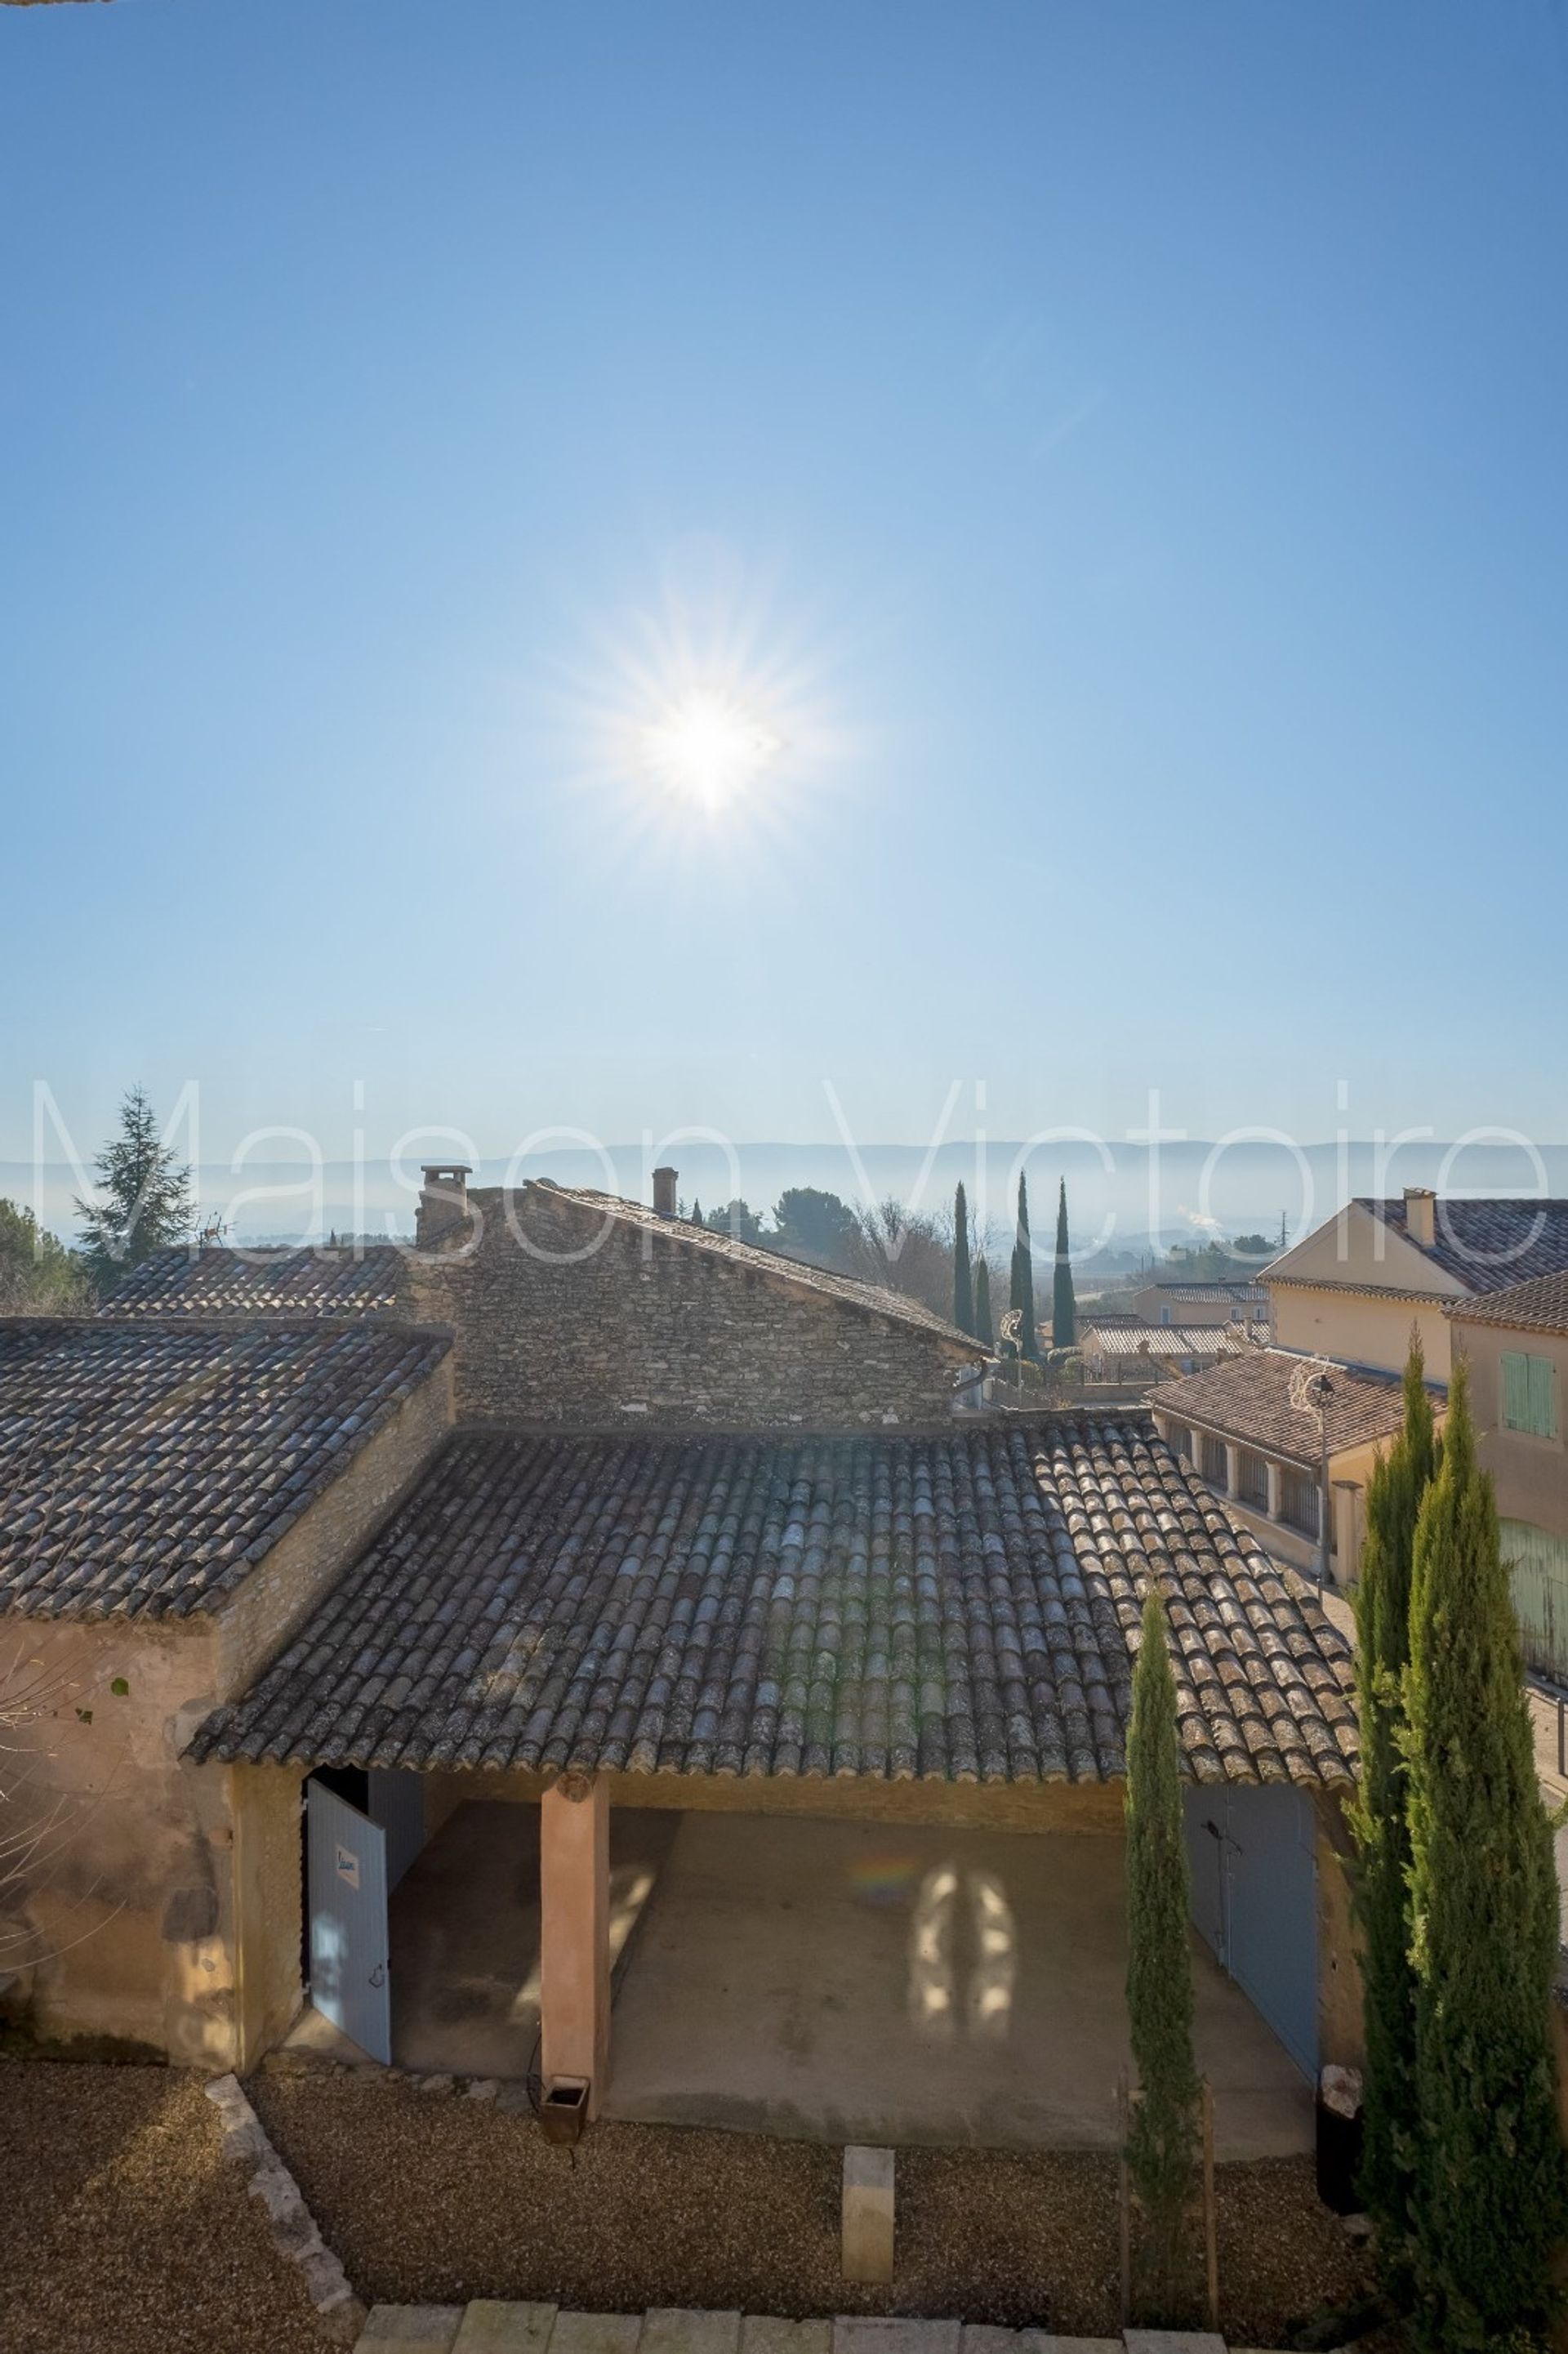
1488 2195
1023 1276
963 1282
1380 1824
1063 1306
1162 2136
145 1201
985 1331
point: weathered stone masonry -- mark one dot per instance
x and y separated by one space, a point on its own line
572 1314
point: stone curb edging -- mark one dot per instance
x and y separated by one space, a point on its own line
294 2227
491 2327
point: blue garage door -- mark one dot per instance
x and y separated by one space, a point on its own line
1255 1902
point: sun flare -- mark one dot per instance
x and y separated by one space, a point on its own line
708 749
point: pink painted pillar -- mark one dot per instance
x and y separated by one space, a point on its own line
574 1932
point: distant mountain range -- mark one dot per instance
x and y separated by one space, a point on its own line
1122 1201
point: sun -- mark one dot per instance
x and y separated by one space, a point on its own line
709 750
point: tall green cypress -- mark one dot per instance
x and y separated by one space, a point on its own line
1064 1305
963 1281
1162 2136
1488 2195
985 1331
1380 1827
1023 1276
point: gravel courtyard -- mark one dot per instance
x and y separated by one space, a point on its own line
123 2229
122 2226
430 2196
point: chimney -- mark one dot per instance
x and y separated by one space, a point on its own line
1421 1214
664 1192
443 1201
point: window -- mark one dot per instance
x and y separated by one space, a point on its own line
1528 1394
1179 1438
1298 1501
1214 1462
1252 1480
1165 1316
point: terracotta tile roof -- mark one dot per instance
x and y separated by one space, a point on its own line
1487 1244
1119 1339
1248 1398
1209 1294
326 1282
963 1607
870 1298
144 1468
1541 1305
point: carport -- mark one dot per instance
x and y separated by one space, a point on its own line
883 1684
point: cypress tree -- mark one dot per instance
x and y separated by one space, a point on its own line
1380 1827
1063 1306
1489 2196
1023 1276
1162 2134
985 1331
698 1217
963 1281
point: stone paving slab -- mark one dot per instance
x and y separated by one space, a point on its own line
1174 2341
411 2328
681 2329
596 2333
980 2337
764 2333
495 2324
891 2334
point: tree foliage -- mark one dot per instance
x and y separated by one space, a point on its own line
1064 1305
737 1219
985 1331
1162 2137
1022 1287
38 1276
1379 1823
145 1198
1488 2199
811 1223
963 1279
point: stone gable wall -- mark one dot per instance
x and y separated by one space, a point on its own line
590 1322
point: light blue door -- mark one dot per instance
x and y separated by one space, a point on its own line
397 1804
350 1971
1255 1902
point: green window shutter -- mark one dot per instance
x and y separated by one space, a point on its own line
1515 1390
1543 1397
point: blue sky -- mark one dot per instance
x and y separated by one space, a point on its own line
1117 450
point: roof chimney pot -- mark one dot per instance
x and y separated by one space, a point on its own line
1421 1214
443 1200
664 1192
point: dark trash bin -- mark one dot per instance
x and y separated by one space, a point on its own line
1340 2140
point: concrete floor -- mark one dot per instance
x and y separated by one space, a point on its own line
827 1980
850 1984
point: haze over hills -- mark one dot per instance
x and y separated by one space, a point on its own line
1122 1198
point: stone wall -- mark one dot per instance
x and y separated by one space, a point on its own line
163 1908
122 1922
567 1315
